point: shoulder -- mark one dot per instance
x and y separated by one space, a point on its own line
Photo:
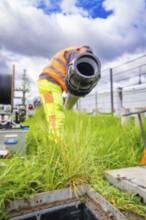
70 55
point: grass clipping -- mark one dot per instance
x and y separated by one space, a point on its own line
92 144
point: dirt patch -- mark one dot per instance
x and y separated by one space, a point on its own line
97 209
108 215
133 216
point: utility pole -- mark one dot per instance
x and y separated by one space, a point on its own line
140 75
23 88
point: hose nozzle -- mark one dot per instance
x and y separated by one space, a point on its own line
83 75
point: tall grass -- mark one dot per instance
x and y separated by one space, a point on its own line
92 144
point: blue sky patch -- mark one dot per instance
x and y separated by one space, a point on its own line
54 7
94 8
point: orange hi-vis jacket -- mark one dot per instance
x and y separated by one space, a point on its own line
57 67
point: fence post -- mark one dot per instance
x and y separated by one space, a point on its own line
96 100
125 120
111 85
136 119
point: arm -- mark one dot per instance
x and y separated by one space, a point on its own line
71 55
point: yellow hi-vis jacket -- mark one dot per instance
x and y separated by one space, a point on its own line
57 67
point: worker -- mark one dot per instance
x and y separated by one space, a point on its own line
51 84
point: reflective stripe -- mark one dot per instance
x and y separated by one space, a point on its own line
70 55
49 78
57 71
60 61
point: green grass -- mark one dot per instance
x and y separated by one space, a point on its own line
92 145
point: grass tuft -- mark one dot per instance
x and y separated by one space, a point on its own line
92 144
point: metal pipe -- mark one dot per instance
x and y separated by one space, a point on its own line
5 89
13 85
112 97
70 101
83 75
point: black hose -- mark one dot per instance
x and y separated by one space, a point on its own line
5 88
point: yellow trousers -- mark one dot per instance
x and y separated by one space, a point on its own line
51 95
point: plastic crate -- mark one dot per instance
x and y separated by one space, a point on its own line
14 140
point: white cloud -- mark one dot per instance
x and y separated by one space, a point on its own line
69 7
126 12
29 37
28 31
33 69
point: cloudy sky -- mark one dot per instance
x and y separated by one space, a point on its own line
32 31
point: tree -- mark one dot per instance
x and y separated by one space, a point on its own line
25 86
